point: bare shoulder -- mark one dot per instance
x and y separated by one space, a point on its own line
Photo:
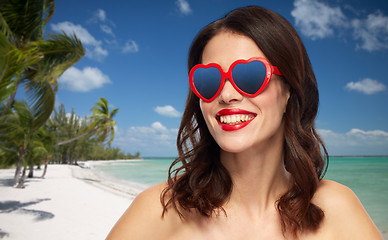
143 219
345 217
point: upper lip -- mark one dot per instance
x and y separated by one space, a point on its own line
232 111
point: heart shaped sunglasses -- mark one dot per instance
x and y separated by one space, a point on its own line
248 77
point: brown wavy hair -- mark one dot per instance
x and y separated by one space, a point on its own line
197 179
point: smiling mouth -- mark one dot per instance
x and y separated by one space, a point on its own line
235 119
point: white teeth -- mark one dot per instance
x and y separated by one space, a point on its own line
235 119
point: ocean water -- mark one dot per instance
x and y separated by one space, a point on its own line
147 172
366 176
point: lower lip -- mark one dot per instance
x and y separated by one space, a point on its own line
235 127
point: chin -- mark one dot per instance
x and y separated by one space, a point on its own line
234 146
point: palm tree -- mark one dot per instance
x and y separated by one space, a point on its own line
17 134
101 125
27 58
73 126
36 153
8 156
47 138
102 120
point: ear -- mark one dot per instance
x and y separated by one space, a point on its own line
287 95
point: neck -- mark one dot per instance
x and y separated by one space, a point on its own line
259 177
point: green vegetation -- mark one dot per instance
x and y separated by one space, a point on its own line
31 60
87 139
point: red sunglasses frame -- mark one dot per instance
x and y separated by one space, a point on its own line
228 75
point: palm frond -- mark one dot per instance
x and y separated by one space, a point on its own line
47 138
113 112
14 63
12 126
37 150
101 107
8 156
41 98
24 18
5 47
48 10
4 28
25 116
60 52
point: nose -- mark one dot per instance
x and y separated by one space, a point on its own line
229 94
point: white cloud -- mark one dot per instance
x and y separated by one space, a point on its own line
168 111
83 80
81 32
317 20
183 6
131 47
159 127
154 140
356 142
98 53
157 134
94 49
106 29
366 86
373 31
106 24
101 15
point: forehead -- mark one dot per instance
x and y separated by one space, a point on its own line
226 47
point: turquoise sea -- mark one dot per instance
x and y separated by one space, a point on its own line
366 176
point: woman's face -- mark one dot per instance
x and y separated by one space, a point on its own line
239 123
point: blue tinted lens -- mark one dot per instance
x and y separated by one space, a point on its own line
249 77
207 81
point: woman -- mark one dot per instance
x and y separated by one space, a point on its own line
250 164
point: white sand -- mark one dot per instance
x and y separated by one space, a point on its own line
70 203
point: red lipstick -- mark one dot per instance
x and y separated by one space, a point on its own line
234 119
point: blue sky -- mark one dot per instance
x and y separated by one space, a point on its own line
136 54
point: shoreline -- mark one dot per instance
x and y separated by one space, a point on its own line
106 182
91 163
70 203
110 182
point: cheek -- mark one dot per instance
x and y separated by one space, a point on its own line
202 106
206 111
282 101
278 98
273 104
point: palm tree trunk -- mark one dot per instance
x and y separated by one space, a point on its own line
76 138
19 166
68 158
45 168
21 182
31 171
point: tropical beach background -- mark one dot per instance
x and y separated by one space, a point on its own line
82 81
366 176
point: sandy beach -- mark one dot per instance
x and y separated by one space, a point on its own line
70 203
